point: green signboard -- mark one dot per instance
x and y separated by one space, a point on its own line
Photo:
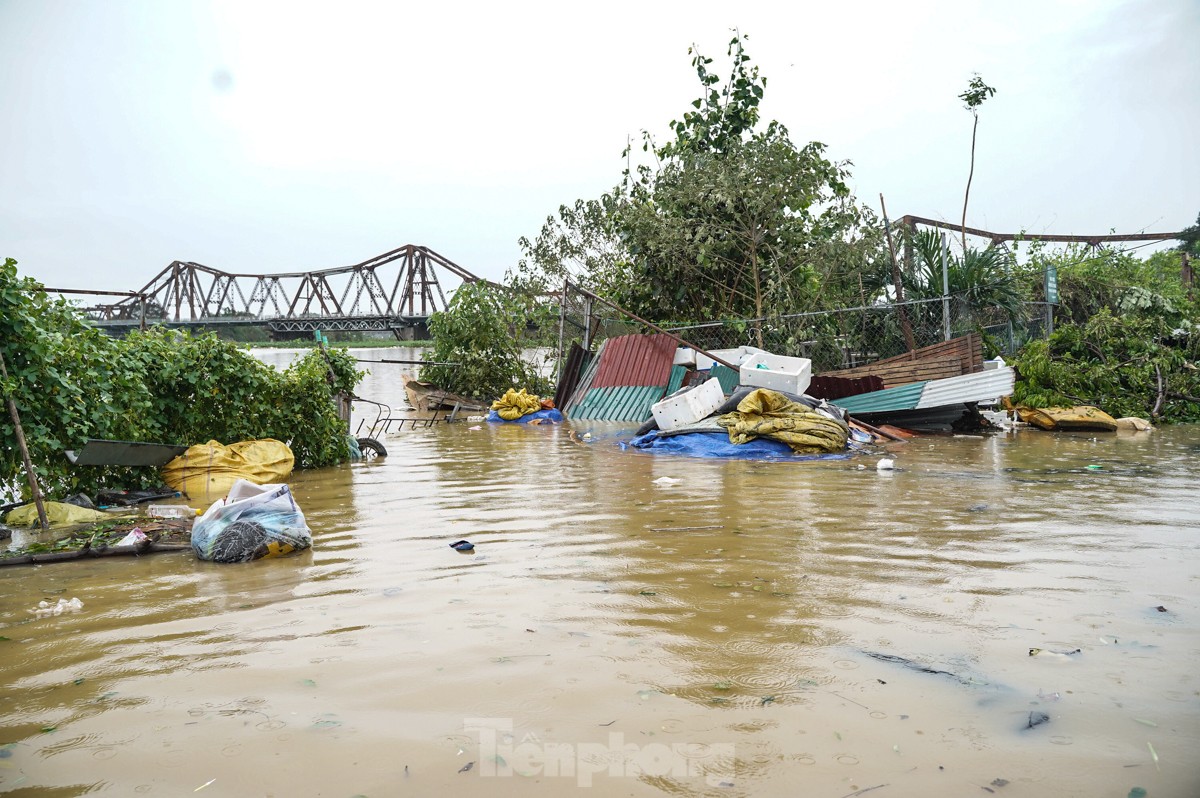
1051 285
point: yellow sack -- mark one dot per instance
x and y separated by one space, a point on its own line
1080 417
769 414
206 472
515 404
57 513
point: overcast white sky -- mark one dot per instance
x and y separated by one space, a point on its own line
266 137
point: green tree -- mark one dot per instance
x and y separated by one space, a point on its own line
483 333
731 218
977 91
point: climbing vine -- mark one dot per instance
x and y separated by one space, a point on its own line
71 382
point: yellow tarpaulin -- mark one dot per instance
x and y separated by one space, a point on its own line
515 404
206 472
769 414
57 513
1081 417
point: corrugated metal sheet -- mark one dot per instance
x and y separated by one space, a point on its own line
625 403
635 360
729 378
982 386
903 397
585 383
577 362
677 375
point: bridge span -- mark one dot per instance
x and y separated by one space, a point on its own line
393 292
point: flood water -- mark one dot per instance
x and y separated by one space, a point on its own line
752 629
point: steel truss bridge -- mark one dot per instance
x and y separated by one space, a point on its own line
396 291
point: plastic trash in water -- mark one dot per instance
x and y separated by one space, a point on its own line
886 464
136 536
462 545
45 609
171 511
666 482
252 522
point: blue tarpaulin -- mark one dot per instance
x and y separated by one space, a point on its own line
552 416
709 444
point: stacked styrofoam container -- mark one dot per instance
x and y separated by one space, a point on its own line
777 372
735 356
689 405
684 356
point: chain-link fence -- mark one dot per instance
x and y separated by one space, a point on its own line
833 339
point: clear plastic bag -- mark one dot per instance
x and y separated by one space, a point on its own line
252 522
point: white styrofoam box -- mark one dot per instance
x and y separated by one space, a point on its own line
689 405
684 356
791 374
735 356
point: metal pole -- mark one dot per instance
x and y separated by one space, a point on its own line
34 490
562 323
945 288
587 323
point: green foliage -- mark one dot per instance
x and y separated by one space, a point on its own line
1136 364
580 244
723 118
977 91
483 331
1091 280
730 221
71 383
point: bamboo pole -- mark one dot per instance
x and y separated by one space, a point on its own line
34 490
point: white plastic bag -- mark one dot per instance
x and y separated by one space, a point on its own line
252 522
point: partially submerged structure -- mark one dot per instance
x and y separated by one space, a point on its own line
927 389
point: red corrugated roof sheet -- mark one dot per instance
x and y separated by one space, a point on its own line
636 360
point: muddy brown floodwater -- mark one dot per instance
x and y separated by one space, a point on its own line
753 629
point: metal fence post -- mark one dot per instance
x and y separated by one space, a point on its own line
946 288
587 323
562 328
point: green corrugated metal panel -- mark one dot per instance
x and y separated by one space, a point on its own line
729 378
902 397
677 375
630 403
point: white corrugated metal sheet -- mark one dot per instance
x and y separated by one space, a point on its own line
982 386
